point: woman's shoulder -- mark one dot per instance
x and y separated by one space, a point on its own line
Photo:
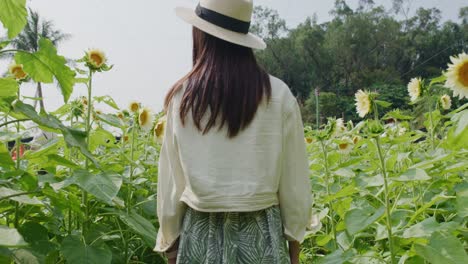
281 92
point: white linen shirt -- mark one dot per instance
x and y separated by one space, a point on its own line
264 165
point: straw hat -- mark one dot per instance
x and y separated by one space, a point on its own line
226 19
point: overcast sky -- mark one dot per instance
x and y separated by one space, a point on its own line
149 46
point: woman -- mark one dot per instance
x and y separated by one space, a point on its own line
233 180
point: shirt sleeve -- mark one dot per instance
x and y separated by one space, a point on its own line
294 185
171 184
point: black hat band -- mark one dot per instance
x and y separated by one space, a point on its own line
223 21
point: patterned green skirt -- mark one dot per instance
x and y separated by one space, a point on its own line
233 238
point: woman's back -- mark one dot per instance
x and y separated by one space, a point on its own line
237 174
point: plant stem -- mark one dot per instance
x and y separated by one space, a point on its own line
132 151
327 182
317 108
6 123
84 226
387 201
432 127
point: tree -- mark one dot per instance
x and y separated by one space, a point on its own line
28 39
366 48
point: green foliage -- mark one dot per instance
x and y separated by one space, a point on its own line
13 16
45 64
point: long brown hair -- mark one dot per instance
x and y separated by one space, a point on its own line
226 78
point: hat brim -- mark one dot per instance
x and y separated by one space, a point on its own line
248 40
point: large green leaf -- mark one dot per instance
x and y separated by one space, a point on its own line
103 186
427 227
8 88
358 219
37 237
462 203
24 199
414 174
73 138
140 225
77 252
13 16
10 237
443 248
45 64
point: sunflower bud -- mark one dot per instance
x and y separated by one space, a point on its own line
375 128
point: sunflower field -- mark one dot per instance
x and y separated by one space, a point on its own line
391 188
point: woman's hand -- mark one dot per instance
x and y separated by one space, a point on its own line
171 253
294 251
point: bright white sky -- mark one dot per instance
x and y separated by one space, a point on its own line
149 46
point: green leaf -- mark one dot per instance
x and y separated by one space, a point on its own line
104 186
383 103
59 160
111 120
414 174
24 199
426 205
13 16
37 237
5 158
358 219
101 137
437 80
427 227
10 237
141 226
338 257
107 100
73 138
3 44
462 121
8 88
462 203
345 192
75 251
443 248
45 64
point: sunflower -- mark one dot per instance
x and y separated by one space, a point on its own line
363 103
356 139
95 58
159 129
457 75
134 106
445 102
145 119
17 71
309 140
345 145
120 115
414 88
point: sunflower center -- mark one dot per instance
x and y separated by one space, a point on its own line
96 58
343 146
158 129
463 74
134 107
143 117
